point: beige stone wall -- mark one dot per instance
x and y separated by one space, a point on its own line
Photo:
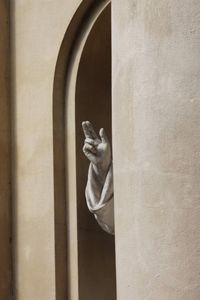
38 30
5 153
156 109
156 128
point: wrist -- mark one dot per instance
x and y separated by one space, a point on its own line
101 170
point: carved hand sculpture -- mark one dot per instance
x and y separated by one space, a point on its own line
99 189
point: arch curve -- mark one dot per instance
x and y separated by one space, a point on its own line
64 146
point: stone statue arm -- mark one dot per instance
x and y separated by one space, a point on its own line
100 200
99 189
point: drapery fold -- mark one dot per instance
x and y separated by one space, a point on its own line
99 199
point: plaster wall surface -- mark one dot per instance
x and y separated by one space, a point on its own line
38 30
156 126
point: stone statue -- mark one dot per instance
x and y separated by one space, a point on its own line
99 189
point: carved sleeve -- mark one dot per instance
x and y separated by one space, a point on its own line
100 199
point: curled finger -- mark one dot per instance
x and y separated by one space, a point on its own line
91 142
89 148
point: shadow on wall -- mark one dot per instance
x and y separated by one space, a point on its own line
94 277
96 249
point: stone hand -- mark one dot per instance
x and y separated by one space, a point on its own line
97 148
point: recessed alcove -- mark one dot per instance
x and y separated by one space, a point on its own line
96 249
85 254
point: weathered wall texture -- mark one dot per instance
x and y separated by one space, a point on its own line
156 111
5 153
38 28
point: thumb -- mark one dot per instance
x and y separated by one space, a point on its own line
103 136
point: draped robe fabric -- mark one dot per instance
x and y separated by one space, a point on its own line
99 199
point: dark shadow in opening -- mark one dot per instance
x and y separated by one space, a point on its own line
96 249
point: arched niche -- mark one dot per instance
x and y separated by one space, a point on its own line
93 102
85 255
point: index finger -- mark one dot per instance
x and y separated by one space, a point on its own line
86 131
91 130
